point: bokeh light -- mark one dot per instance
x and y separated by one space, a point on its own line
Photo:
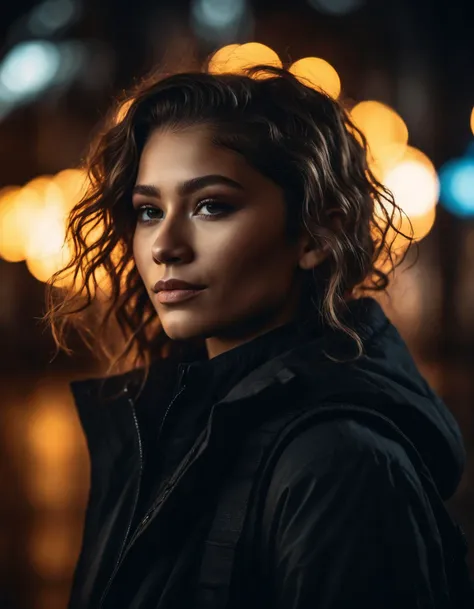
29 68
10 226
50 16
33 222
317 73
218 14
472 120
220 20
385 131
50 548
43 267
236 58
457 186
336 7
19 212
73 186
414 184
45 251
53 441
220 61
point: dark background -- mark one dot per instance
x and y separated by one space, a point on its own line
415 55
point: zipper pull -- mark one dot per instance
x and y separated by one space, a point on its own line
150 513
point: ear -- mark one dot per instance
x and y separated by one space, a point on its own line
313 255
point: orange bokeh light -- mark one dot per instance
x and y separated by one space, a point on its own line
414 184
220 61
385 131
317 73
73 186
236 58
19 211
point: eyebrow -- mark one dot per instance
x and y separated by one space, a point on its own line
188 187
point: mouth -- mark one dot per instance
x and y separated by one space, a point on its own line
172 296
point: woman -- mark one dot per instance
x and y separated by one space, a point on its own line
239 227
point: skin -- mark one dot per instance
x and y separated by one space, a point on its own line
252 273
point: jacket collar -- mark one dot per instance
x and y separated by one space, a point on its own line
385 378
365 315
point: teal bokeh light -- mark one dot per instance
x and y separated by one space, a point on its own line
457 185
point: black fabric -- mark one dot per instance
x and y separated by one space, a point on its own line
200 384
388 587
334 490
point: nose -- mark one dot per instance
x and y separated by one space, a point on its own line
171 246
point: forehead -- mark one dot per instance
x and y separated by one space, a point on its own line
186 153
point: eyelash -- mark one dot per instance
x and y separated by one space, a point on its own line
139 210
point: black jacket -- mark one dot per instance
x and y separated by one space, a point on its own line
345 523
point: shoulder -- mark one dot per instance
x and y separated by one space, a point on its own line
341 448
341 471
345 520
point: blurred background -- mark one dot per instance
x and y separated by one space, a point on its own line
405 68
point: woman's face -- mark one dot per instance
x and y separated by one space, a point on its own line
205 216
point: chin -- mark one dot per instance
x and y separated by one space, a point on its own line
183 329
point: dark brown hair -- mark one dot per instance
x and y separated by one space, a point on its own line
296 135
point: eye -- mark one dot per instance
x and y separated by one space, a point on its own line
213 203
149 213
146 213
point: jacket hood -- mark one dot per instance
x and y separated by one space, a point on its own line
384 378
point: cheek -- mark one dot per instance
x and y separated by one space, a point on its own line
256 256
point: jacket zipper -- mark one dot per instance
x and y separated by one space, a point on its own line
140 448
165 491
145 519
168 409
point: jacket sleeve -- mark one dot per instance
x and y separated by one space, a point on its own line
347 525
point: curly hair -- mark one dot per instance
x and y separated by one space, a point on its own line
296 135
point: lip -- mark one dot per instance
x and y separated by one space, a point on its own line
172 296
175 284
